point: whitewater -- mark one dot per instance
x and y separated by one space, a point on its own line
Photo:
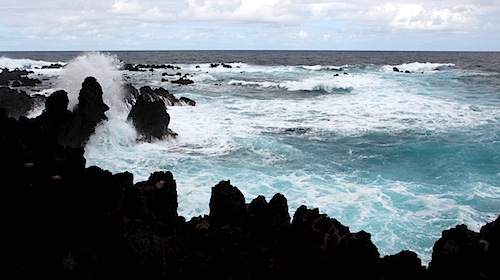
400 155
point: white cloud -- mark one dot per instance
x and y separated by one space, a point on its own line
417 16
279 20
125 7
70 38
245 11
303 34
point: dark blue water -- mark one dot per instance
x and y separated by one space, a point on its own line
488 61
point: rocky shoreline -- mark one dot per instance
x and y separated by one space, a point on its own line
63 220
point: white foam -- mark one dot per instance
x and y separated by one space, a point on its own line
253 83
374 104
326 84
313 67
24 63
419 67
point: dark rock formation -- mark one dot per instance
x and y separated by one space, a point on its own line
132 94
187 101
227 205
182 81
403 265
17 103
215 65
460 253
131 67
53 66
150 117
56 117
88 113
17 78
71 129
158 94
151 67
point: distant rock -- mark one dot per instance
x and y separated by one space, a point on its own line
187 101
17 78
182 81
53 66
132 94
158 94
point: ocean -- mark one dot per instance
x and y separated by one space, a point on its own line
401 154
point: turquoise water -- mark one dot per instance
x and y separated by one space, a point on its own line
402 156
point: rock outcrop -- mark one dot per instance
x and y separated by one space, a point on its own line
75 128
150 118
17 103
17 77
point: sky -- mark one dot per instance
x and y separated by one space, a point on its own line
94 25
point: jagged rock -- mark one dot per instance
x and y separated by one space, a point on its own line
403 265
269 217
17 103
459 253
17 77
325 242
131 67
187 101
182 81
130 94
490 237
150 118
227 205
56 116
158 94
87 114
53 66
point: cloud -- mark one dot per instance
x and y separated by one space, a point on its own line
417 16
245 11
123 21
303 34
125 7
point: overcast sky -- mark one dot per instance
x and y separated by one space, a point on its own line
250 25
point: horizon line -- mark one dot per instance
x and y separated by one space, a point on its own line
236 50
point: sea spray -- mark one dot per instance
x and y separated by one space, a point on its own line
116 133
106 69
